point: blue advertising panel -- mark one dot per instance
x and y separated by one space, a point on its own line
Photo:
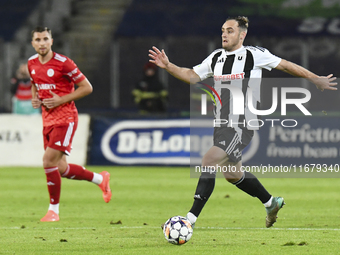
139 142
314 140
306 140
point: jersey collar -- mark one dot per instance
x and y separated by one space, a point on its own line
235 51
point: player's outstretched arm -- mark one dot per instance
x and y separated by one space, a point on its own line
161 59
84 88
321 82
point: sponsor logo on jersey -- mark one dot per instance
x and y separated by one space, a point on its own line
58 143
73 72
33 71
50 72
46 86
229 77
77 77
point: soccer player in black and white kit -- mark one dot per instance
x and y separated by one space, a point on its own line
243 62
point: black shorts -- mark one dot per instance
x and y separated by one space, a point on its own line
232 142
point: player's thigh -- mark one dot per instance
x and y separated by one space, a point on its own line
218 158
214 156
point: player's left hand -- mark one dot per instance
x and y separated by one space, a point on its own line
325 82
52 102
158 57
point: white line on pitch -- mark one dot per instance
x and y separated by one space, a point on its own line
212 228
240 228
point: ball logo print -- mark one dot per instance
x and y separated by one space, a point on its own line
177 230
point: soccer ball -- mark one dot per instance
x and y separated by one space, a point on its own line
177 230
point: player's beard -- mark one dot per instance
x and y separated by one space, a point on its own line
231 47
45 52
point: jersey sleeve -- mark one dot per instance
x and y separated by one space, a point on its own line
30 71
204 70
265 59
72 71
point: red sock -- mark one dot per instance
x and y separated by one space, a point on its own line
77 172
53 184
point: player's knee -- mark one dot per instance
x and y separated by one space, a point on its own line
49 162
208 161
213 160
208 175
62 166
233 173
232 180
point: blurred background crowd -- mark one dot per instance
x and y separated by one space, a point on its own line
109 41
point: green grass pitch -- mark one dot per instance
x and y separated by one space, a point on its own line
145 197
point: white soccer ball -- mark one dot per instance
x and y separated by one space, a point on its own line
177 230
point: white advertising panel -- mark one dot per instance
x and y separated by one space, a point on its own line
21 140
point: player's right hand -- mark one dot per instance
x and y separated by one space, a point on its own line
36 102
158 57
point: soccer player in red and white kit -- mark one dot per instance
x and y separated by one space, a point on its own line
53 77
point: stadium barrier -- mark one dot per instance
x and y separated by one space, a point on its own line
21 140
302 140
314 140
138 142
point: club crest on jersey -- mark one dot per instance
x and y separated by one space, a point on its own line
50 72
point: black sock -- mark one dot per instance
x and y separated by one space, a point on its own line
252 186
204 189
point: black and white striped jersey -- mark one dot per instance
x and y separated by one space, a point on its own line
242 69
